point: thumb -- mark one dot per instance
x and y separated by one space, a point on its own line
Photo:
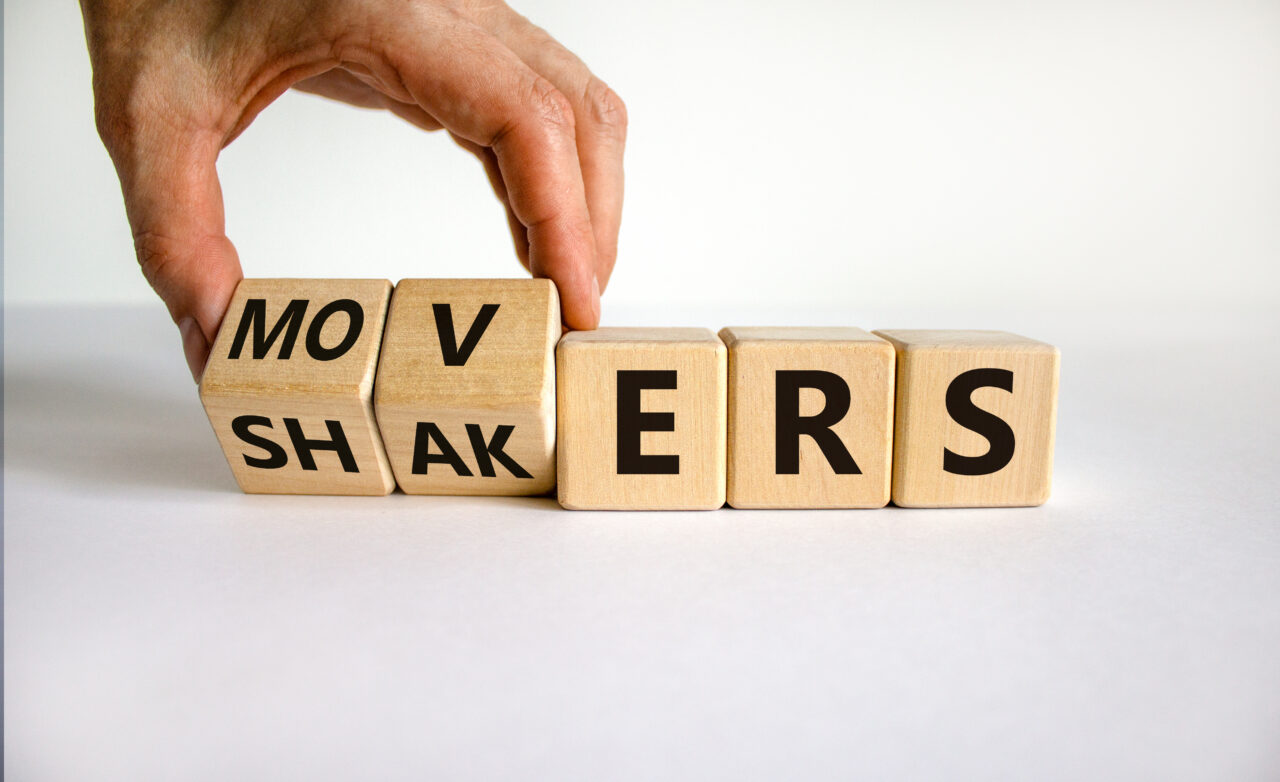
174 203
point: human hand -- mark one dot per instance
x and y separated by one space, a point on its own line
175 81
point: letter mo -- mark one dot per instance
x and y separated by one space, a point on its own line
288 325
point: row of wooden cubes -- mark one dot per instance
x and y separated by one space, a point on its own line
468 387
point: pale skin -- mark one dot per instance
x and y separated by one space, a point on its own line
176 81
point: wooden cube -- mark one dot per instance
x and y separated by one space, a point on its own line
289 386
641 419
975 418
466 395
810 417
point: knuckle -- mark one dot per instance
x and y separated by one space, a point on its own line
187 271
551 107
156 253
165 262
156 257
606 107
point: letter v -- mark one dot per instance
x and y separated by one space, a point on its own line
455 355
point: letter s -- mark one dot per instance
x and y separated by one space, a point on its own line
276 456
962 409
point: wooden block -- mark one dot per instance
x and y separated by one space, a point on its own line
975 418
810 417
466 395
289 386
641 419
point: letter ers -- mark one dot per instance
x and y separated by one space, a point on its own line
466 395
289 386
975 418
810 417
642 416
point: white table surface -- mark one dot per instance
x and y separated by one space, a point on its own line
161 625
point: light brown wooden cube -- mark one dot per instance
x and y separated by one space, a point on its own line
975 418
289 386
641 419
810 417
466 395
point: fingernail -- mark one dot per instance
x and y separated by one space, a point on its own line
194 345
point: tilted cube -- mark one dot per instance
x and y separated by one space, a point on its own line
289 386
466 396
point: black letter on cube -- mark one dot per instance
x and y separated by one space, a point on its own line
355 314
632 421
276 457
453 354
962 409
337 443
790 425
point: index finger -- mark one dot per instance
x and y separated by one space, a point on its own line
601 127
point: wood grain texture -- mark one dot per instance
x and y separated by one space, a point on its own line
299 363
928 363
865 364
506 380
588 364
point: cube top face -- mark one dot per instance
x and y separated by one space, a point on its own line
912 340
298 337
628 338
642 415
465 394
480 361
975 421
810 418
772 336
289 386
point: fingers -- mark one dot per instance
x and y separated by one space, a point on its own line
174 203
601 125
481 91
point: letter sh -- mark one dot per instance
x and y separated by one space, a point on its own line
975 418
289 386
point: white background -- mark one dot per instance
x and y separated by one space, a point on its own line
997 155
1101 175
